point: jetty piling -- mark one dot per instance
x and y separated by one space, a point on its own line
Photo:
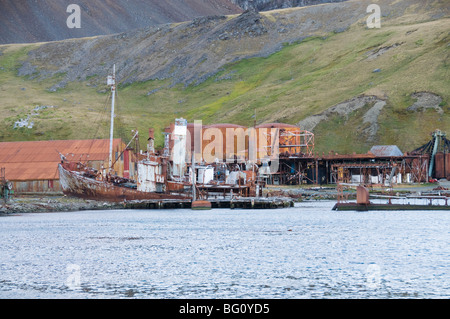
235 203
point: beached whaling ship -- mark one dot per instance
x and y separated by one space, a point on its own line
159 176
80 180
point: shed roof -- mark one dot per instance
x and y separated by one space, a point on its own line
386 151
39 160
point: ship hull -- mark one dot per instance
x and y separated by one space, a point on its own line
75 184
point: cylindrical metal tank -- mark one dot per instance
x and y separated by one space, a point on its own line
224 141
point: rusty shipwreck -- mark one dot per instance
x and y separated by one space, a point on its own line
80 180
160 175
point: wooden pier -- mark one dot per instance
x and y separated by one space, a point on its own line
235 203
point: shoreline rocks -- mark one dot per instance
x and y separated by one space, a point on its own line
44 204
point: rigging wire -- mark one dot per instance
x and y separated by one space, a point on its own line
101 117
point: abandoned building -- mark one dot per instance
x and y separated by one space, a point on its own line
297 161
32 167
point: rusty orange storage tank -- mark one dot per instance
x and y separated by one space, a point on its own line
232 137
222 141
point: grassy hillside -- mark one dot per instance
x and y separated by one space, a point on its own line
302 79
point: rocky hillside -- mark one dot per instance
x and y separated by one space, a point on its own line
27 21
319 66
191 52
265 5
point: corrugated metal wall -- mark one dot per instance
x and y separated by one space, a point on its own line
442 165
43 186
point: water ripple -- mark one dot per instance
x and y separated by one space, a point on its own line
308 251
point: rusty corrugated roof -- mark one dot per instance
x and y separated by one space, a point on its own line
39 160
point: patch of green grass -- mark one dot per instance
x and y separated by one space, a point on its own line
301 80
11 58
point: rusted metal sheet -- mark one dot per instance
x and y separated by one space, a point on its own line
362 195
146 181
33 161
201 204
447 166
442 165
42 186
250 176
151 177
173 186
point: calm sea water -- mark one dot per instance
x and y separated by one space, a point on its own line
308 251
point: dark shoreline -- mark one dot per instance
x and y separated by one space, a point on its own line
52 204
48 203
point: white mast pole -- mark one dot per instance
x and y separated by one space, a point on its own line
111 133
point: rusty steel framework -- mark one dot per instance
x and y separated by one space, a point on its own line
416 166
365 171
303 142
297 143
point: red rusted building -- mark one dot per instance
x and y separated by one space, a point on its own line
32 167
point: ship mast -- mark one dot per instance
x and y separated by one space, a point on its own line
112 82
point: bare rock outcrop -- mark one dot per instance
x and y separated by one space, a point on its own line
426 100
264 5
345 108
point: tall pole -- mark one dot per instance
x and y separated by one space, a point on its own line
111 133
